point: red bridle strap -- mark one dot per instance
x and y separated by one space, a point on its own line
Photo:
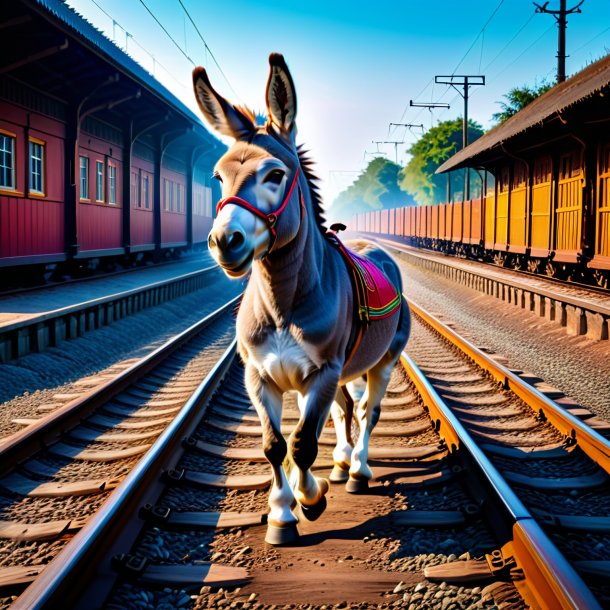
271 218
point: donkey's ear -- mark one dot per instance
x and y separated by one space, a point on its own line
281 95
223 116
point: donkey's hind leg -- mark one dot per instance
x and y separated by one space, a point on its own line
267 399
367 415
342 411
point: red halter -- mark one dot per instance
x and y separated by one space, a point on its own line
272 217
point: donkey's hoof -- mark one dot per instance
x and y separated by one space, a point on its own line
282 535
357 486
311 513
339 475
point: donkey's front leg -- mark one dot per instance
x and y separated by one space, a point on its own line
267 399
314 403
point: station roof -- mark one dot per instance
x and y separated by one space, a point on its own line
74 25
560 98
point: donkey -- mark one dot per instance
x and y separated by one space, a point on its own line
298 325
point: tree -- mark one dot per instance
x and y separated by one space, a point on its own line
428 153
376 188
517 99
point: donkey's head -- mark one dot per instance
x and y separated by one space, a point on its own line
260 208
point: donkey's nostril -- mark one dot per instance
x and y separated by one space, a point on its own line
235 240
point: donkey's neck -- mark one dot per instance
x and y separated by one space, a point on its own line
285 278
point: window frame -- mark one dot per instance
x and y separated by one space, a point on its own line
111 189
99 181
144 192
12 137
82 158
42 144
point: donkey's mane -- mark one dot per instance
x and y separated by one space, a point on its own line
312 180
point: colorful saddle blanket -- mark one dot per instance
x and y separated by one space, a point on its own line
377 297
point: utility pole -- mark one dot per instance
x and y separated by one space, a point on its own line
465 81
396 143
562 23
377 143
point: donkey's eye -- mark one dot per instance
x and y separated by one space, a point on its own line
217 176
274 177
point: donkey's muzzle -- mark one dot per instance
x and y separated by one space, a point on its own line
228 243
231 249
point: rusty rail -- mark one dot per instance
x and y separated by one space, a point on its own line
591 442
89 552
551 580
25 442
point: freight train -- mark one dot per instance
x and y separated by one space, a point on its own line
544 203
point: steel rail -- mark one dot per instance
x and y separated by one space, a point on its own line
591 442
47 430
550 577
86 555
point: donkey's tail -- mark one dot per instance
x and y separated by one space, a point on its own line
349 413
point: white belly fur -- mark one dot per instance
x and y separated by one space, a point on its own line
284 360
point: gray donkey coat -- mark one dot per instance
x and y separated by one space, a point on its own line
296 325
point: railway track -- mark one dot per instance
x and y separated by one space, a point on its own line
57 472
581 310
484 491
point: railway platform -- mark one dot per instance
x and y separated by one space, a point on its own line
35 319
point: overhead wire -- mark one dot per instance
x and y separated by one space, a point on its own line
207 48
478 35
166 32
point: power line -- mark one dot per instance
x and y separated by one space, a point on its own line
510 41
166 32
478 35
207 48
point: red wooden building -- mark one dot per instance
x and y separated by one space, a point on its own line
97 158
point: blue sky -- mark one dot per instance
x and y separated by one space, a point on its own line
355 64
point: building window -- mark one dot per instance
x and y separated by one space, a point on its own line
111 183
178 198
99 181
37 167
135 181
84 177
7 161
145 191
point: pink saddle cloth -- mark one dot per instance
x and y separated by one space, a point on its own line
377 297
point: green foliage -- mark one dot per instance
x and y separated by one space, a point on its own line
376 188
428 153
517 99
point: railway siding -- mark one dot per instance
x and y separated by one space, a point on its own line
578 315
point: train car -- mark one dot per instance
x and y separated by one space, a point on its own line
519 210
104 173
384 222
433 226
541 209
456 224
31 179
601 254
